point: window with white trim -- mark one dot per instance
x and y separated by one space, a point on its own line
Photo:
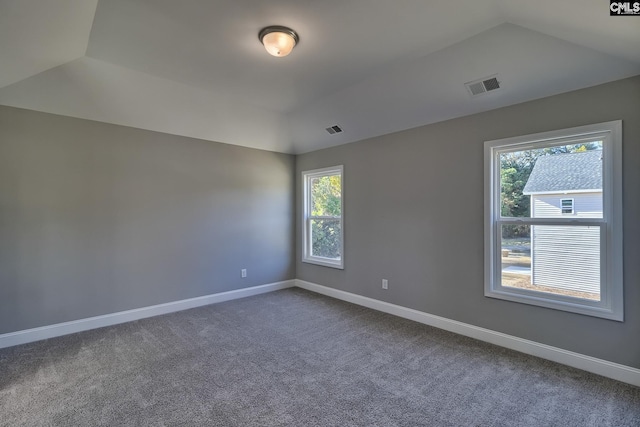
566 205
535 253
323 212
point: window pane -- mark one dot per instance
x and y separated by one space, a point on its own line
533 183
326 193
325 238
561 260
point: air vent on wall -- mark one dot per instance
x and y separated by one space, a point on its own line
487 84
334 129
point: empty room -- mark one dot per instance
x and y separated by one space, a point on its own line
319 213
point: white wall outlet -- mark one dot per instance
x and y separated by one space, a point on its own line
243 272
385 284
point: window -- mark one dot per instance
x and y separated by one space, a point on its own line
553 220
323 211
566 205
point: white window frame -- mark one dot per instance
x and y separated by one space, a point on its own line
307 256
572 207
611 301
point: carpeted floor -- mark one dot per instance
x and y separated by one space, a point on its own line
294 358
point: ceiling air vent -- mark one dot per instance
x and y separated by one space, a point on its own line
334 129
487 84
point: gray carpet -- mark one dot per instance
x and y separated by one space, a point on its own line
294 358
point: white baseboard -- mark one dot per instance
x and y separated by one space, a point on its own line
51 331
605 368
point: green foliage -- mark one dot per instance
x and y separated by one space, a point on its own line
326 238
515 169
326 195
513 179
326 199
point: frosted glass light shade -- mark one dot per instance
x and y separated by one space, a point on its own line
278 41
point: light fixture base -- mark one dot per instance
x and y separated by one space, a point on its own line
278 29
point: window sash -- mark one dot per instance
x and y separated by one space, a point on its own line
309 240
539 295
323 217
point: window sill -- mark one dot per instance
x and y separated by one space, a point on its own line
325 262
572 305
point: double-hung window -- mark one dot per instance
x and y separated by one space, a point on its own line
323 217
567 206
553 220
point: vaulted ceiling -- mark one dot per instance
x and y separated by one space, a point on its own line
196 67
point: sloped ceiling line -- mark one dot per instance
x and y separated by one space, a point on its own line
196 68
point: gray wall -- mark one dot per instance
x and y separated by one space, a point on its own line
414 215
97 218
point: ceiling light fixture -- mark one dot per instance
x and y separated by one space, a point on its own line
278 41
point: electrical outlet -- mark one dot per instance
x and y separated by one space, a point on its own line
243 272
385 284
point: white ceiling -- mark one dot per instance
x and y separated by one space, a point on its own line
196 67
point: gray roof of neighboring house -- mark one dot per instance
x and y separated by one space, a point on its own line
566 172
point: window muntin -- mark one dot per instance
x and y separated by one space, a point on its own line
536 252
323 217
